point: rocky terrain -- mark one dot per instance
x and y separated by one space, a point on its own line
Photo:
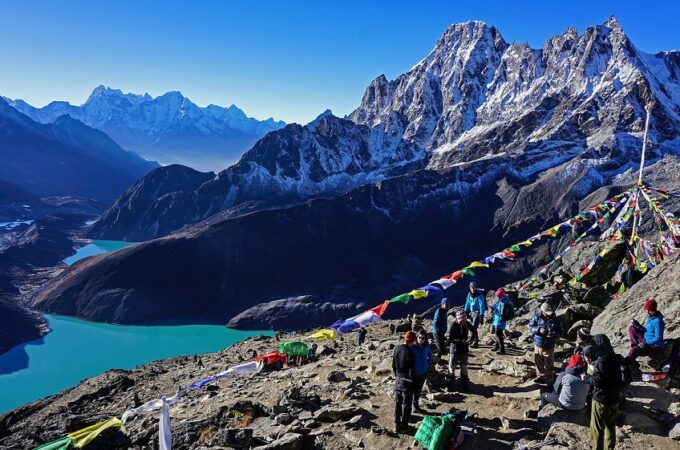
341 401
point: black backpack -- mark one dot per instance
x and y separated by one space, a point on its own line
507 310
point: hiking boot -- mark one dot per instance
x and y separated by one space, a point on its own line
465 385
539 379
475 345
499 351
418 408
495 348
397 429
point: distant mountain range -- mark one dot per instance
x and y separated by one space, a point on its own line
169 128
480 143
65 158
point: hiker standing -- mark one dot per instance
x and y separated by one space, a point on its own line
416 323
439 325
607 387
648 339
403 365
546 328
475 306
362 335
460 334
570 391
502 311
422 352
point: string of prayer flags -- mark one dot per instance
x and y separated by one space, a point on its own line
381 308
417 294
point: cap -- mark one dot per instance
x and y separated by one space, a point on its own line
546 308
583 333
650 305
589 351
409 337
473 284
576 361
500 292
445 302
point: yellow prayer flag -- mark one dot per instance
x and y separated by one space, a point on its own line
474 264
323 334
83 437
417 294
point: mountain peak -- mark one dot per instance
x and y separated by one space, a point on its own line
613 23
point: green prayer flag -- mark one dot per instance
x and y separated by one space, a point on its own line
295 348
468 272
403 298
60 444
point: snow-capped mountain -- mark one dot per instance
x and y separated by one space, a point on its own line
169 128
578 99
479 144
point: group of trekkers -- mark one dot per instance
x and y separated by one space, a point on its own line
594 376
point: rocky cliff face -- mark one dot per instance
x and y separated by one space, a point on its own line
474 97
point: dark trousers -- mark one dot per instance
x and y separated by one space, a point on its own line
638 346
418 383
403 401
603 425
476 318
550 397
499 337
441 342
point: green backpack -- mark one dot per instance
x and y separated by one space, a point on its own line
435 431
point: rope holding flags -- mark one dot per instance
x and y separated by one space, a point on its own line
595 214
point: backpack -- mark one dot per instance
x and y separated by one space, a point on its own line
435 431
507 310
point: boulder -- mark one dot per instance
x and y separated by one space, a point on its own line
337 377
571 334
333 413
551 414
574 313
289 441
508 367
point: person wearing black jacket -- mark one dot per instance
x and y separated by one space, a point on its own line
403 365
607 386
460 333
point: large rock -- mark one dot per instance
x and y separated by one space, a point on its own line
662 283
551 414
574 313
289 441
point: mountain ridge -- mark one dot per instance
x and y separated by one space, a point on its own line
169 127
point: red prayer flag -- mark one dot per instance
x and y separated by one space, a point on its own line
380 309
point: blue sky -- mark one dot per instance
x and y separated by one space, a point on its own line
289 60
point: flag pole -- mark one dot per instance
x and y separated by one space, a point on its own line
636 214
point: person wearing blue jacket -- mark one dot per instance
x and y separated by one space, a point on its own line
502 311
423 355
546 328
439 326
647 340
475 308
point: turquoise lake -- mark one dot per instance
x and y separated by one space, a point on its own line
96 248
77 349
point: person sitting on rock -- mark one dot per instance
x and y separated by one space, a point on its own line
439 326
607 387
502 311
423 356
475 307
460 334
546 328
646 340
570 391
362 335
403 365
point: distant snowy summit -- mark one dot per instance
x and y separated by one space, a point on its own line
168 128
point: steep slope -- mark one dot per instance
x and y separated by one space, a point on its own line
65 158
169 128
578 98
285 166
